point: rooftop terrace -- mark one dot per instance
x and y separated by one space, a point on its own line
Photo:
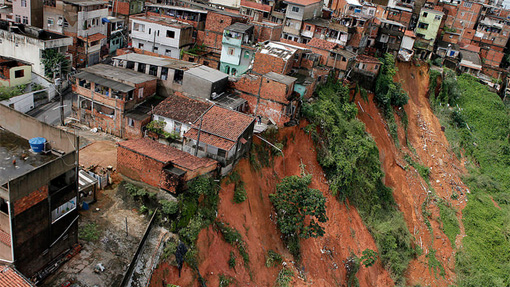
16 158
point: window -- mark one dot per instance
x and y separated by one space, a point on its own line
131 122
140 93
140 45
23 3
295 9
51 21
170 34
438 17
308 27
422 25
18 19
230 51
246 54
467 4
63 210
149 31
425 14
139 27
155 49
19 74
25 20
168 52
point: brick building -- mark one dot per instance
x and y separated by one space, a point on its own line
462 19
38 193
278 57
271 96
164 167
332 55
106 94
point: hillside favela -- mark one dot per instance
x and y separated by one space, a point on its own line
279 143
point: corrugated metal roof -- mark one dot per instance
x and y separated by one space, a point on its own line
118 86
85 180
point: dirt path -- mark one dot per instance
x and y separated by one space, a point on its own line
322 263
431 149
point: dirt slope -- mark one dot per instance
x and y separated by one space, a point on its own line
410 190
322 258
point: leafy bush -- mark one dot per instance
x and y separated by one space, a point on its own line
169 207
450 223
232 260
169 250
273 259
284 277
189 234
138 193
299 208
240 193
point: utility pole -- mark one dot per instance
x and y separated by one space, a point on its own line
61 96
198 135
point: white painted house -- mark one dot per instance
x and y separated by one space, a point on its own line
27 44
161 35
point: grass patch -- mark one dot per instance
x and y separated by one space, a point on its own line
478 128
89 232
434 264
450 224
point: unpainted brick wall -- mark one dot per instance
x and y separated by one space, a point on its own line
30 200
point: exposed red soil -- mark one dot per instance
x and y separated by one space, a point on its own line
322 263
410 190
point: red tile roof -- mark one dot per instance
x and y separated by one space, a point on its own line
93 37
166 154
302 2
471 48
256 6
322 44
367 59
410 33
9 277
221 127
210 139
180 108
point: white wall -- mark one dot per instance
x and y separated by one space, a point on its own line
28 49
169 128
87 16
23 103
407 43
155 37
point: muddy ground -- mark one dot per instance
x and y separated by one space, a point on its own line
323 258
426 143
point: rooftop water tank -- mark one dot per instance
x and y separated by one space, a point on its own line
37 144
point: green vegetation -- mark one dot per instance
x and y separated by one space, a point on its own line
225 280
138 193
169 207
450 225
232 236
158 127
352 266
273 259
369 257
423 171
55 63
479 130
299 209
89 232
434 264
350 159
284 277
389 94
240 193
9 92
262 155
232 260
170 248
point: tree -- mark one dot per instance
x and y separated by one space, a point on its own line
296 204
55 63
369 257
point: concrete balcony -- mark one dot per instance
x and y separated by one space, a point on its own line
308 34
